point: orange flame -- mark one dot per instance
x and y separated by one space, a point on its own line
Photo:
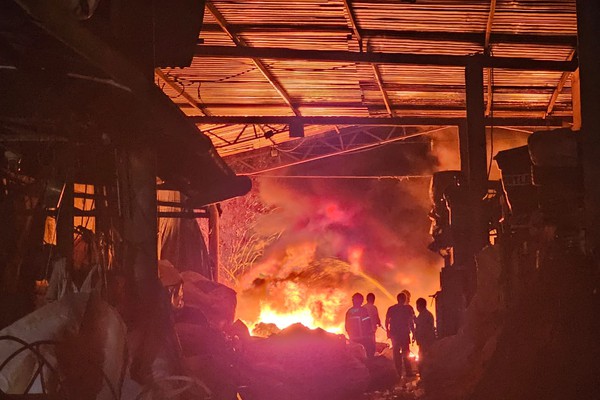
298 303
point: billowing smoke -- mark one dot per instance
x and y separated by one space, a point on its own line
332 237
296 249
445 147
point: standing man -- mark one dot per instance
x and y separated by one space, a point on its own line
358 324
374 316
400 323
425 330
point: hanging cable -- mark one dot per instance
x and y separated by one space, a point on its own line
491 72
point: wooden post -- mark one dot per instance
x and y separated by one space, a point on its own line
151 332
588 31
576 100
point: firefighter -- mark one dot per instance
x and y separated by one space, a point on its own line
400 324
374 315
358 325
425 329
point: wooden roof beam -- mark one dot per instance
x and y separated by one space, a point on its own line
241 43
278 53
559 88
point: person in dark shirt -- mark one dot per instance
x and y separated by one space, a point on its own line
425 329
400 324
358 325
374 315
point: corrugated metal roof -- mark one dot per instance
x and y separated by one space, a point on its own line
237 87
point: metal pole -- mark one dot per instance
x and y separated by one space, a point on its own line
213 240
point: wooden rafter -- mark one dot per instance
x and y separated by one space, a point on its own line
374 67
487 51
386 100
559 87
240 42
490 23
353 23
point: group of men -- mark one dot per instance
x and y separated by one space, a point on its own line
362 322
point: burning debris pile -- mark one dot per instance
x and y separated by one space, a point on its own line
293 363
314 245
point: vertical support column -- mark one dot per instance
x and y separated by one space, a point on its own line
138 173
472 141
576 100
151 338
474 166
213 240
588 49
64 223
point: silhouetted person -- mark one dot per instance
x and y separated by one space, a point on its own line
374 315
425 328
400 323
407 294
358 324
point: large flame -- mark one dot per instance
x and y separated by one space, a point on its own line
294 302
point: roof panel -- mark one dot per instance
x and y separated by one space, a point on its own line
235 86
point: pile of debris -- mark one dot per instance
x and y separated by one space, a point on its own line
300 363
84 343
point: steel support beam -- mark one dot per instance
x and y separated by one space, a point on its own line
240 43
371 121
461 37
278 53
588 31
473 145
559 88
339 151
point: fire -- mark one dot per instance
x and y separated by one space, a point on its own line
299 303
303 316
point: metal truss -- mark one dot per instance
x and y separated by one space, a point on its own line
318 147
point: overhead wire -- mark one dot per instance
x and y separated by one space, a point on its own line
375 177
